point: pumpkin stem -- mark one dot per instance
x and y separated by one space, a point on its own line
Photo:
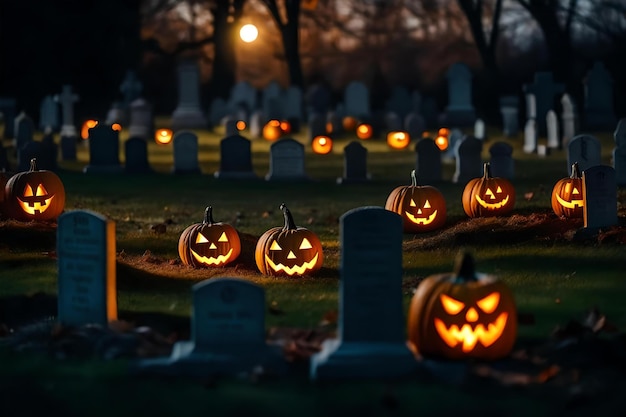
208 216
575 171
33 164
487 170
413 179
464 267
289 223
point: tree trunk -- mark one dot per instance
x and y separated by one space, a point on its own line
224 65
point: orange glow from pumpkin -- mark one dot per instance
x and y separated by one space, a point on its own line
163 136
329 128
272 130
285 126
442 142
444 131
349 123
241 125
322 145
425 134
398 140
84 132
117 127
364 131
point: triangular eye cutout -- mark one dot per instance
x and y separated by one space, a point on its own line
28 191
201 239
489 193
412 203
489 303
305 244
41 191
575 191
451 305
275 246
427 204
499 190
223 238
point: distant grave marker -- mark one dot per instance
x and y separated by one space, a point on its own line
235 159
468 160
354 164
584 149
287 161
185 149
104 145
600 195
428 161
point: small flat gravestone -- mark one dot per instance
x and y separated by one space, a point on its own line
86 269
104 145
502 163
468 160
371 340
600 197
136 151
235 159
428 161
185 149
584 149
287 161
354 164
227 334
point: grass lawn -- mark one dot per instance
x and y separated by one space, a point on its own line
555 279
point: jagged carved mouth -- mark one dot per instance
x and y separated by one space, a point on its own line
469 337
35 207
570 204
217 261
292 270
492 206
421 220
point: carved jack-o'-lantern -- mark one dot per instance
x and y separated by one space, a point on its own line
463 314
422 207
364 131
163 136
272 130
488 196
398 140
34 195
209 244
442 140
288 250
322 145
116 127
567 195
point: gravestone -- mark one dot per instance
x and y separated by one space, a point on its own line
317 126
136 153
414 125
479 130
292 104
584 149
24 129
468 160
272 101
599 113
600 196
619 152
227 334
568 120
217 111
29 151
86 269
104 150
49 115
8 112
428 165
68 148
531 106
230 126
400 102
118 113
552 127
460 111
545 90
392 122
317 99
509 109
287 161
235 159
501 162
354 164
185 149
335 121
530 136
50 154
256 124
371 340
188 113
141 121
67 99
357 100
242 95
455 137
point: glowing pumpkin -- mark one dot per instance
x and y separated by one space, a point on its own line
163 136
462 314
34 195
567 195
488 196
349 123
288 250
285 126
398 140
364 131
422 207
241 125
272 130
117 127
322 145
209 244
84 131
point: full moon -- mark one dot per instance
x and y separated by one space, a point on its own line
248 33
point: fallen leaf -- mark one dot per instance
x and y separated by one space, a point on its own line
330 318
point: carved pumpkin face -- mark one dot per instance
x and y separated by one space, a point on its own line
289 250
34 195
364 131
163 136
209 244
422 208
462 315
398 140
322 145
272 130
488 196
567 195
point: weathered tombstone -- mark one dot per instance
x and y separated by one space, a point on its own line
501 162
67 99
50 154
136 152
317 126
68 148
460 111
227 334
217 111
104 150
599 113
530 136
86 269
400 102
271 101
619 135
584 149
509 108
392 122
479 129
230 126
131 87
256 124
545 90
292 107
552 127
531 106
468 160
242 95
8 111
49 115
185 149
287 161
334 120
24 129
370 339
428 161
454 140
188 113
600 196
141 121
118 113
414 125
235 159
568 119
354 164
317 99
357 100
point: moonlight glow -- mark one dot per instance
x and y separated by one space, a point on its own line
248 33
